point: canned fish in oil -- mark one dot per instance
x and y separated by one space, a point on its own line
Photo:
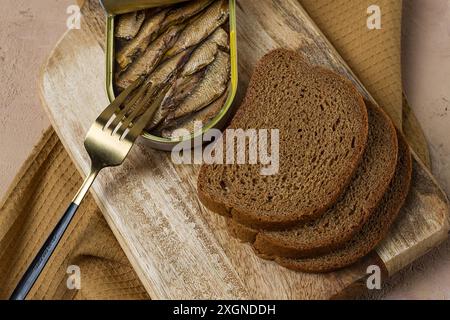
116 7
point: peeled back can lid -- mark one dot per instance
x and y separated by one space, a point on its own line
114 7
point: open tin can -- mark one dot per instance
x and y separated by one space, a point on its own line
117 7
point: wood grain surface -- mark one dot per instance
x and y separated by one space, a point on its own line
179 249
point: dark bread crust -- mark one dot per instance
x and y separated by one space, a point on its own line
347 217
373 232
241 232
260 214
266 242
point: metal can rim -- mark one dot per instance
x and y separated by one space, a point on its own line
214 123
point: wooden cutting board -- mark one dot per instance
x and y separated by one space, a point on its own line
179 249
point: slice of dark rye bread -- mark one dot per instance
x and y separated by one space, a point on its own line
344 219
323 125
366 239
373 231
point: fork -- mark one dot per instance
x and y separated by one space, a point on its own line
108 142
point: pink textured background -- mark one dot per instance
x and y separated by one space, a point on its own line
29 29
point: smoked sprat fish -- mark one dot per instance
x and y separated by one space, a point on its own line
206 52
184 12
162 75
209 89
168 68
148 32
182 45
189 122
128 24
181 88
149 60
201 26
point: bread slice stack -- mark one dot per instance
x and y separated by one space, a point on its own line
344 171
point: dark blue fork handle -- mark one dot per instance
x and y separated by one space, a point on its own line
37 265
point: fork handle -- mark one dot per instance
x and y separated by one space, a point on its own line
37 265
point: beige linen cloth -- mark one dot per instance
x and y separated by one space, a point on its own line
47 181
